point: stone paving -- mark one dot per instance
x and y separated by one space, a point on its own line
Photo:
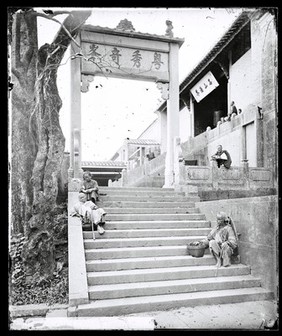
244 316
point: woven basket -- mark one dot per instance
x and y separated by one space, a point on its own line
196 251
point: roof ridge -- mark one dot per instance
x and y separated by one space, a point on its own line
242 19
102 163
134 33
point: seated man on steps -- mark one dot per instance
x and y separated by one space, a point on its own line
87 210
222 240
90 187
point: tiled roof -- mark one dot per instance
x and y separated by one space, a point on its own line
103 164
114 31
227 37
142 142
243 19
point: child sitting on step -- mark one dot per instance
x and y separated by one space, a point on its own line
88 211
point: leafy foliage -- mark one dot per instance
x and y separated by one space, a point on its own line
41 289
48 292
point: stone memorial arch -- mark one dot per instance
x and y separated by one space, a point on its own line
124 53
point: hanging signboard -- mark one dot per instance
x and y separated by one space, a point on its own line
205 86
116 61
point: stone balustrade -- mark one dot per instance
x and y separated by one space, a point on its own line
135 176
202 146
205 178
214 178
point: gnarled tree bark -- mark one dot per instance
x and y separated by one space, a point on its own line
23 75
37 150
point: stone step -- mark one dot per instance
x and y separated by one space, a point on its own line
155 182
153 217
128 204
169 273
148 233
136 252
137 242
123 306
134 189
157 224
115 291
151 198
147 262
144 193
155 210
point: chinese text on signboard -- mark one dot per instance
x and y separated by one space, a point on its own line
126 60
205 86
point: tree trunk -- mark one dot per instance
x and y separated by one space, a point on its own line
23 63
43 147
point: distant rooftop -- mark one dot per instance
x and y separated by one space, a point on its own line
103 164
142 142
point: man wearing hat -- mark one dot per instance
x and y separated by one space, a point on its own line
222 240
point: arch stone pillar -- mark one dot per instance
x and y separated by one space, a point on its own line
124 53
75 170
172 115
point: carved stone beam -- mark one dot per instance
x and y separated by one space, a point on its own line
164 88
85 81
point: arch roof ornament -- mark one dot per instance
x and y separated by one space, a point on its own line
125 25
168 37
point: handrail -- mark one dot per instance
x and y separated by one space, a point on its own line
138 149
78 287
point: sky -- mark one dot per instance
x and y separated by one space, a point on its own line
114 109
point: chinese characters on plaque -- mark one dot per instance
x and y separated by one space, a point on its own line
136 58
205 86
115 55
118 60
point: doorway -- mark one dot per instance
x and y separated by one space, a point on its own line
213 104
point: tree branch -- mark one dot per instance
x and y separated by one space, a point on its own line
69 29
32 33
61 24
52 13
16 73
71 26
17 40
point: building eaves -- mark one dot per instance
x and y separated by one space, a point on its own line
142 142
238 24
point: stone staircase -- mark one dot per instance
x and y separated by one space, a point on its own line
141 262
